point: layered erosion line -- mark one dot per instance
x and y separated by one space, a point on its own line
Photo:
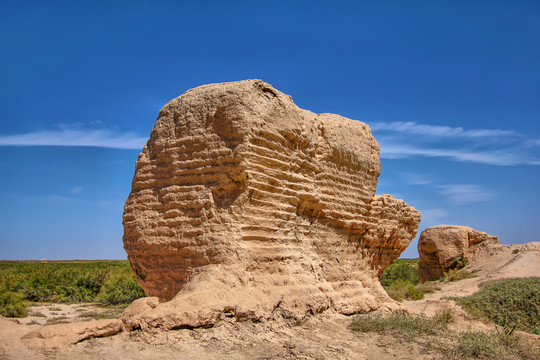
244 205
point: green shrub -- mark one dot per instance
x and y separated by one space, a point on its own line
459 262
401 290
399 280
508 303
11 304
119 289
401 269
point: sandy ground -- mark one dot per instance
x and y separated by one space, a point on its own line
47 313
324 336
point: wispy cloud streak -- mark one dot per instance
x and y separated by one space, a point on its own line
465 193
68 137
456 193
487 146
437 130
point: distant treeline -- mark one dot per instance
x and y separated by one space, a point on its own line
109 282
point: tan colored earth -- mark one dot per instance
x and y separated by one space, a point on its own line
322 336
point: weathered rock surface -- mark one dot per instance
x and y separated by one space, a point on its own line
440 246
62 335
244 205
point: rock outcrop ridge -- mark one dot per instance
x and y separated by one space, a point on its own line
244 205
443 247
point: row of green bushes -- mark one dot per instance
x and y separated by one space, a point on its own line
109 282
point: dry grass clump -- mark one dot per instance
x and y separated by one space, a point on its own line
435 337
444 317
401 290
57 320
37 313
458 274
493 345
108 314
401 325
428 287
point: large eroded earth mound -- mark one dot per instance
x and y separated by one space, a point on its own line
244 205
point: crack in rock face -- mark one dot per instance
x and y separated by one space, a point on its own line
244 205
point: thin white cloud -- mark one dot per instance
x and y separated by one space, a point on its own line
69 137
415 179
437 130
465 193
391 150
532 143
75 190
399 140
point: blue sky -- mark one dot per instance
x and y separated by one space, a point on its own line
449 88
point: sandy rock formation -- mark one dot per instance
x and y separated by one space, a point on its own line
440 246
244 205
62 335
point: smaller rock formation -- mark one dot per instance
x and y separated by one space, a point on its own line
444 247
